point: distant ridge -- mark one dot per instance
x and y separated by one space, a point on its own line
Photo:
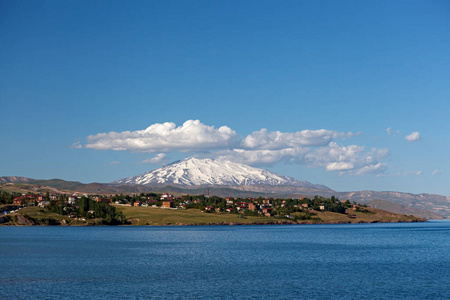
403 210
14 179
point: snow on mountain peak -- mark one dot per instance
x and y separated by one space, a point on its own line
195 171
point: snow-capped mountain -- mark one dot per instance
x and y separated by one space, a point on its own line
194 171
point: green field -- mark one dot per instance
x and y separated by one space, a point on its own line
160 216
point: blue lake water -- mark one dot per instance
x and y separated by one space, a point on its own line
351 261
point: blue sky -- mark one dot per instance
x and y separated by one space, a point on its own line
306 89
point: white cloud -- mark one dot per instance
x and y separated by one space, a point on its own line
191 136
414 136
261 157
273 140
76 145
353 159
339 166
158 158
390 131
114 162
407 173
436 172
370 169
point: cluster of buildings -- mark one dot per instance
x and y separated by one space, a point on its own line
44 200
33 199
166 199
227 205
234 205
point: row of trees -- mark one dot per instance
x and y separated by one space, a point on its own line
7 198
87 208
130 199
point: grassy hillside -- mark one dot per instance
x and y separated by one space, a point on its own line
35 215
160 216
59 184
38 216
401 209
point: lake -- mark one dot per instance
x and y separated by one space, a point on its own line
348 261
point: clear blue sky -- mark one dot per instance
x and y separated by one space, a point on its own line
73 69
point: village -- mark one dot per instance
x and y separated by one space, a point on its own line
261 206
77 208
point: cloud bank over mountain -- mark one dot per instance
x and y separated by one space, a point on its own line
312 148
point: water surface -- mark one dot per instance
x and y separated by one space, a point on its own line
349 261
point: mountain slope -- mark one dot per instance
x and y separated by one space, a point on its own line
14 179
194 171
403 210
436 203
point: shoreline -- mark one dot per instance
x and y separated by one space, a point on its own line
148 216
419 220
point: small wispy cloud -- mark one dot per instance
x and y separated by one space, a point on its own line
114 162
76 145
436 172
157 159
414 136
408 173
392 132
